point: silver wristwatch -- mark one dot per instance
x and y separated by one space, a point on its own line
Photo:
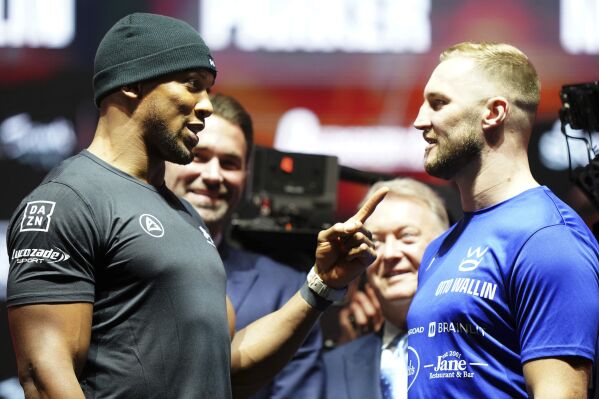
319 287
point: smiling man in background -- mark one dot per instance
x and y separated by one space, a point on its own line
375 365
257 285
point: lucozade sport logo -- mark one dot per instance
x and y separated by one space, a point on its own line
39 255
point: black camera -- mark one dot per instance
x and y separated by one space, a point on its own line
580 106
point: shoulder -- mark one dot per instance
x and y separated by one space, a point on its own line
535 210
553 249
555 231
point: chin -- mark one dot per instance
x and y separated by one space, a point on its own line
399 294
181 158
437 170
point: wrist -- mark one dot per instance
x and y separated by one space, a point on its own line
322 289
313 299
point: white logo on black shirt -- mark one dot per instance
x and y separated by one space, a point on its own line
208 237
151 225
37 216
39 255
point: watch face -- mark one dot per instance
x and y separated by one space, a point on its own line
319 287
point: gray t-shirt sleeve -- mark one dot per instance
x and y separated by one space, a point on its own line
52 243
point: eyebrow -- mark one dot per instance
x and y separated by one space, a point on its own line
434 94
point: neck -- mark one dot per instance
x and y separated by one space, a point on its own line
496 178
118 141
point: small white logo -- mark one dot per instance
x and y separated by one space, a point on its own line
211 61
151 225
208 237
468 265
413 366
432 329
37 216
430 263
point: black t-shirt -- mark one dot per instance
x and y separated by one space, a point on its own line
144 258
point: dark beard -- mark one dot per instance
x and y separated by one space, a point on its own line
163 143
454 157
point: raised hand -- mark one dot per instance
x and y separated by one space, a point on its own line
362 315
345 249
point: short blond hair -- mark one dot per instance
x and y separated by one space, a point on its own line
509 67
410 188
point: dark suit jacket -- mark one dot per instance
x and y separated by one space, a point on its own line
257 286
353 369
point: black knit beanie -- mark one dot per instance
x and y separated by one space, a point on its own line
145 46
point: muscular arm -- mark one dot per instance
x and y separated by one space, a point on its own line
262 348
50 343
558 378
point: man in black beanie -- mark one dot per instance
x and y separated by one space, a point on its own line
115 286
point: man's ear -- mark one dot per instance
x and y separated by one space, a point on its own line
132 91
496 110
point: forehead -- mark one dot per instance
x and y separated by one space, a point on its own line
453 76
220 135
396 212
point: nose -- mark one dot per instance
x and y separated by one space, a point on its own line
211 172
422 121
203 107
391 251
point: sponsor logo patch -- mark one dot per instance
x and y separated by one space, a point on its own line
415 330
457 327
431 329
452 364
151 225
413 366
37 216
39 255
473 259
207 236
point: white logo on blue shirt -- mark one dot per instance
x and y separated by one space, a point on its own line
413 366
430 263
452 364
470 264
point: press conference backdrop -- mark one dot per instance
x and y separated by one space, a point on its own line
340 77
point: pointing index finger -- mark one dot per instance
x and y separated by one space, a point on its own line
370 205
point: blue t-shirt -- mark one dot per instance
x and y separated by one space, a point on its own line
507 284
